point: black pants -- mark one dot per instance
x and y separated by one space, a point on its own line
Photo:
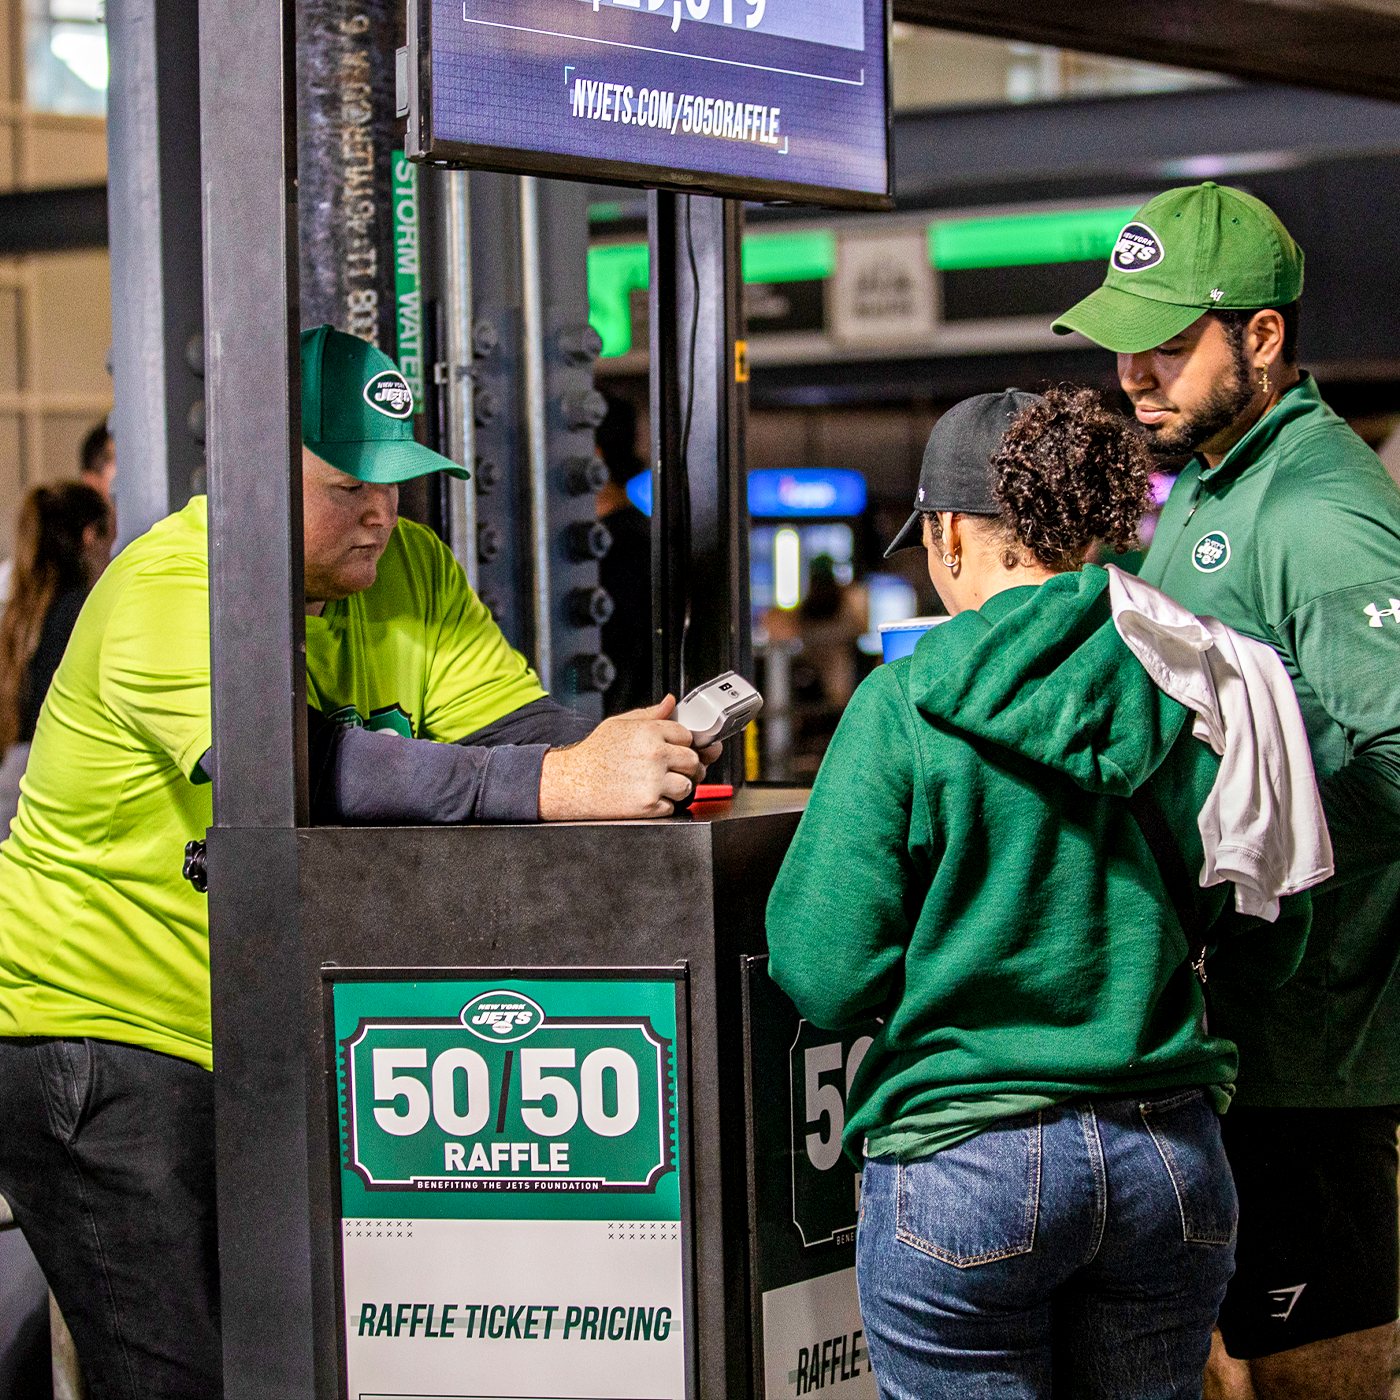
1318 1254
107 1157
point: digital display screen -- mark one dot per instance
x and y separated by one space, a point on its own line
780 99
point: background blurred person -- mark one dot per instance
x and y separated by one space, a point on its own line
625 571
63 541
97 467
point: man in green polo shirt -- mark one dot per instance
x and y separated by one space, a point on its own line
420 711
1285 526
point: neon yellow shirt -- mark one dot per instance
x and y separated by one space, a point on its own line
100 934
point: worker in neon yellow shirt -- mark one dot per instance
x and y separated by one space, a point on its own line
420 711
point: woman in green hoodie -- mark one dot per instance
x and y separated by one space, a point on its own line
1045 1207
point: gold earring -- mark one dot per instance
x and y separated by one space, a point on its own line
1264 378
950 561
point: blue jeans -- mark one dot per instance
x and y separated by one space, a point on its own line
1081 1251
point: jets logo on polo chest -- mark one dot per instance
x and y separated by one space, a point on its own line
1212 552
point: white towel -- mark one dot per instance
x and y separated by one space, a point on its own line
1262 825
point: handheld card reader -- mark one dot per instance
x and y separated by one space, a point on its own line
719 709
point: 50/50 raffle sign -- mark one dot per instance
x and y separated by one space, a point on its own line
511 1218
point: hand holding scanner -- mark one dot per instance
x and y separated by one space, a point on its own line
719 709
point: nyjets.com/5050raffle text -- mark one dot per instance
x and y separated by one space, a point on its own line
509 1189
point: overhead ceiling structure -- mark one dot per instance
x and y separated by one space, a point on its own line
1309 43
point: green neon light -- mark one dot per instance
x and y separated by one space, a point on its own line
1018 240
608 211
1023 240
805 256
615 270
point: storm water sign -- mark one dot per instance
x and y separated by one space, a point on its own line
510 1186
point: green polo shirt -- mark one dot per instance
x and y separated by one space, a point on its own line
1294 539
100 935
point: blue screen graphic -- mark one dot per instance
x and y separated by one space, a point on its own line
810 492
777 92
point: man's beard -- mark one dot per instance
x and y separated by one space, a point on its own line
1222 409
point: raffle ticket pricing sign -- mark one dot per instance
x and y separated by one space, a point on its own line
512 1147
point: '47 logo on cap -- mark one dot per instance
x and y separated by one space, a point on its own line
388 393
1137 249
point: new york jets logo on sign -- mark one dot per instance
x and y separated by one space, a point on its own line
388 393
1137 249
502 1017
1212 552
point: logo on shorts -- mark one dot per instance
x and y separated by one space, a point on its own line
1137 249
388 393
502 1017
1212 552
1287 1299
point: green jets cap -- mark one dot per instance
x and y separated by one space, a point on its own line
357 410
1189 251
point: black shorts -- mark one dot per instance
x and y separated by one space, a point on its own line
1319 1240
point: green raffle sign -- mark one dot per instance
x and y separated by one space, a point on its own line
510 1184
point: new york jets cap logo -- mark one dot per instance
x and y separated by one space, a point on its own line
388 393
1137 249
502 1017
1212 552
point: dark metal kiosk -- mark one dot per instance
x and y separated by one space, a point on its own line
485 1095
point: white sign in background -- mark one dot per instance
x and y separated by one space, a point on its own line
523 1268
813 1339
883 289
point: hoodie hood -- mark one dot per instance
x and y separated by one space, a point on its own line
1041 671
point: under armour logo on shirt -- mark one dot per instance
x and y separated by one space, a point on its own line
1375 613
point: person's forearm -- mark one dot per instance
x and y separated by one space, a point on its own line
378 777
1362 805
543 721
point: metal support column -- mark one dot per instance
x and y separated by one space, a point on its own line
538 538
500 478
157 300
566 472
456 222
248 87
700 529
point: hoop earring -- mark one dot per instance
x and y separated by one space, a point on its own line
1264 378
950 561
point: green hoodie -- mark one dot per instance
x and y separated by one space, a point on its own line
968 870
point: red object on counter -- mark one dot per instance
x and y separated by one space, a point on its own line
713 792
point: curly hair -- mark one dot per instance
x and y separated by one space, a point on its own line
1069 472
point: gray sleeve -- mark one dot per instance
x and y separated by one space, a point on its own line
377 777
543 721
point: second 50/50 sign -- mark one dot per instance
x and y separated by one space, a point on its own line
505 1098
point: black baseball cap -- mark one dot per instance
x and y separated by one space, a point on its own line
957 469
